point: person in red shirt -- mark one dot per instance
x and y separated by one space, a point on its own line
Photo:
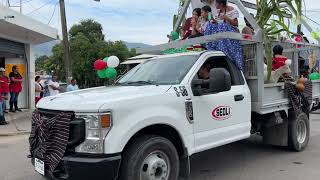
278 59
15 88
2 117
5 87
188 26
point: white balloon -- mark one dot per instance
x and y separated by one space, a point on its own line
113 61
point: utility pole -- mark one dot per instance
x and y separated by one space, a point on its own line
299 8
66 48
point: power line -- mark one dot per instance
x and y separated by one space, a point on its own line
49 2
22 2
313 21
54 10
38 12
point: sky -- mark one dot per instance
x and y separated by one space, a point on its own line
146 21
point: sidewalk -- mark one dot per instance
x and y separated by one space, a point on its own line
19 123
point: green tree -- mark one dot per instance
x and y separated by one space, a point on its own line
86 45
40 62
89 28
265 14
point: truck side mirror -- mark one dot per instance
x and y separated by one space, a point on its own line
220 80
198 86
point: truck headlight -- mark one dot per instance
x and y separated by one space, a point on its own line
97 127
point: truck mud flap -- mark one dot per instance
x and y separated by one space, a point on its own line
277 133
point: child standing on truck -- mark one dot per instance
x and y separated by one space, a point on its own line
204 21
278 59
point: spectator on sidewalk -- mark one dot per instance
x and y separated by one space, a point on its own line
39 89
5 88
73 86
15 88
54 86
2 118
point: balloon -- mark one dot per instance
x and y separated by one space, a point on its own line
99 65
314 76
174 35
111 73
113 61
105 59
102 73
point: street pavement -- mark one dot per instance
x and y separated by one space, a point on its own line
245 160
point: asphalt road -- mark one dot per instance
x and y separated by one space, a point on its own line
245 160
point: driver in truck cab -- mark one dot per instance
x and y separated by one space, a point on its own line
204 72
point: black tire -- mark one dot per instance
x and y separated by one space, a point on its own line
141 148
296 141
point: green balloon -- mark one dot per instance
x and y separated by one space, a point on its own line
111 73
102 74
174 35
105 59
314 76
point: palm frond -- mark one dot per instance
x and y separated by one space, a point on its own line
265 10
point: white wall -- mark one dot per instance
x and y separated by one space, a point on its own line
31 75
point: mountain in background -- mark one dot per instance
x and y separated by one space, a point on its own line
46 48
135 45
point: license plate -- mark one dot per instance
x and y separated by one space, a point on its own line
39 166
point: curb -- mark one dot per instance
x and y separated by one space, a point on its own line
14 134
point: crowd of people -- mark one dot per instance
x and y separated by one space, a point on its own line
12 86
51 87
216 12
217 17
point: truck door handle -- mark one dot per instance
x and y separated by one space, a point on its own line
238 97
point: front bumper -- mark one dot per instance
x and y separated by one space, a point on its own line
88 167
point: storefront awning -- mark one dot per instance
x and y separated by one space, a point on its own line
20 28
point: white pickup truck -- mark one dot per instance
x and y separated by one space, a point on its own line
148 125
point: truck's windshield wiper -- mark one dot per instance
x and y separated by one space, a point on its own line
141 82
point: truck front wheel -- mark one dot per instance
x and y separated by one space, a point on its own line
299 131
150 158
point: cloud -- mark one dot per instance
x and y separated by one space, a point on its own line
134 21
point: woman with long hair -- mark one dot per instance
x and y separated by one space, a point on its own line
38 89
15 88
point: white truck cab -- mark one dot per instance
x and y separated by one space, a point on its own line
154 118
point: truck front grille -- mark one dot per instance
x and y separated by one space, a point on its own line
77 129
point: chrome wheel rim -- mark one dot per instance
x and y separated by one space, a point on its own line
301 131
156 166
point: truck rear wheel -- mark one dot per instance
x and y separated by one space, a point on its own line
150 158
299 131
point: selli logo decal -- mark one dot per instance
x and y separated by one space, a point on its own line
221 113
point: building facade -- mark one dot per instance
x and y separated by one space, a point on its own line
19 34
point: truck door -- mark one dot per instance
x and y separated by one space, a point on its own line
221 118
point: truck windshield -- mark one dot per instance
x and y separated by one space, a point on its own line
162 71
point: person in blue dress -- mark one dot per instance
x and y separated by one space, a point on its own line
226 21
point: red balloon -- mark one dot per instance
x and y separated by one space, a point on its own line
99 65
